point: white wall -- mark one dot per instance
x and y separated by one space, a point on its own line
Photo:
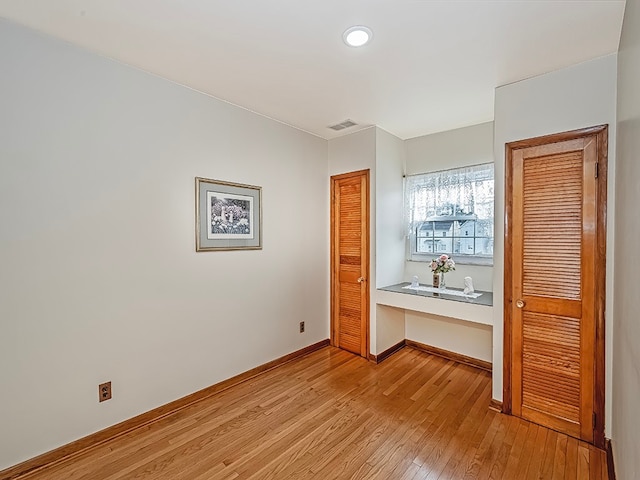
458 148
462 147
470 339
441 151
383 154
625 435
353 152
99 277
350 153
580 96
390 326
390 253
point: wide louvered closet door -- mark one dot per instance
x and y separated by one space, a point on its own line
553 261
350 260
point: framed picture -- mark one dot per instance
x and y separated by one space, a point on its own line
228 216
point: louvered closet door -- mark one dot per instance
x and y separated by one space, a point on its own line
554 261
350 260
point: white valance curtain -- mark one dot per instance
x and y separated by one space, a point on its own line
447 193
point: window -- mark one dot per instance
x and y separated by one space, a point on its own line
451 212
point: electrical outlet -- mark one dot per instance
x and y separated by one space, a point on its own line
301 327
104 391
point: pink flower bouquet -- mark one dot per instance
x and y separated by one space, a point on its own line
442 264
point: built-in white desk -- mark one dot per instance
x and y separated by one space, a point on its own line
477 310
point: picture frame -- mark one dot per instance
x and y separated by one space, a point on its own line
228 216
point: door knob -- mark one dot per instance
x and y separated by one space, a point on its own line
520 303
360 280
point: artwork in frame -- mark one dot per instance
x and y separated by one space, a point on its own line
228 216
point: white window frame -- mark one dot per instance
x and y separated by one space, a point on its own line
412 224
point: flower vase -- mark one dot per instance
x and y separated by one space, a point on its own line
441 283
436 280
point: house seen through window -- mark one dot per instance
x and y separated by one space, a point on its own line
451 212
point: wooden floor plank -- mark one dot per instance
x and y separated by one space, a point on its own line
537 454
560 458
583 462
332 415
549 455
597 463
471 405
467 464
515 454
469 429
571 467
503 449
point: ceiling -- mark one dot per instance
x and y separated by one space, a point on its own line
432 65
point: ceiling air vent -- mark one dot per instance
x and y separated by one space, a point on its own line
341 126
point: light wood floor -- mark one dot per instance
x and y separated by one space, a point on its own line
332 415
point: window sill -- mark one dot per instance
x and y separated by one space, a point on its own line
479 261
475 310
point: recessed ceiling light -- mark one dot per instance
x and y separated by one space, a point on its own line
357 36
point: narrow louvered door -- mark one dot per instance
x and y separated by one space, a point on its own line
350 261
553 303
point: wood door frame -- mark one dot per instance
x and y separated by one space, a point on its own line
601 132
366 236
